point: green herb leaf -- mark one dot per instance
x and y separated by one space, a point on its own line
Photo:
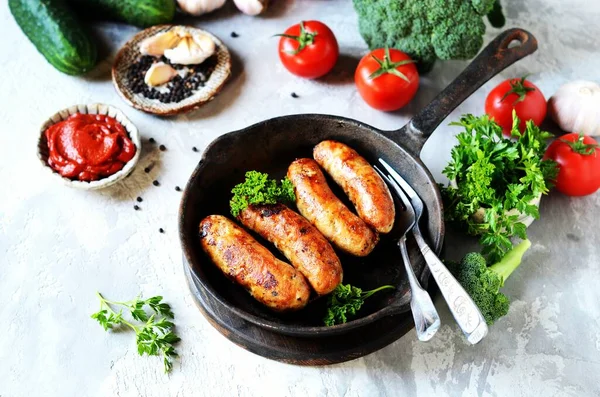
258 188
345 301
154 335
496 174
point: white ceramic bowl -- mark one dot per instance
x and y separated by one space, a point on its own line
95 108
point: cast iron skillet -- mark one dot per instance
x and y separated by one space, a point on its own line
270 146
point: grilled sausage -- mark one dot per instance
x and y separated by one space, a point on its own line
363 185
299 241
322 208
270 281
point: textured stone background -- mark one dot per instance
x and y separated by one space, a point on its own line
58 245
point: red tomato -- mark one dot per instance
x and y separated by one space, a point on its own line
308 49
387 79
578 159
518 94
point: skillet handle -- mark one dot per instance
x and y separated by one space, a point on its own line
494 58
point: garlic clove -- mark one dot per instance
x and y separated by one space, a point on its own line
159 73
192 50
157 44
251 7
206 44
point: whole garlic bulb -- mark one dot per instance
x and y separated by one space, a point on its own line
199 7
575 107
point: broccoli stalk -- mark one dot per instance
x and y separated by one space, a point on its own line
510 261
483 283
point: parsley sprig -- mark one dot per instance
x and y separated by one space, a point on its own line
498 175
345 301
154 332
259 188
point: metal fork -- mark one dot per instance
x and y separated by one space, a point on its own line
465 311
427 320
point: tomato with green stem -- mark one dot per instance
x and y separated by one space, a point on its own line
308 49
521 95
387 79
578 158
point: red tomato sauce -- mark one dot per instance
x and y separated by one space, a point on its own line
88 147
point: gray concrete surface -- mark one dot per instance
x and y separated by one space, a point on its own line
58 245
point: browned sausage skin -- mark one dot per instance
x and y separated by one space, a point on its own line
322 208
299 241
365 188
270 281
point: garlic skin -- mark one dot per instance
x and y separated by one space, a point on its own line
199 7
575 107
251 7
179 46
158 74
191 50
157 44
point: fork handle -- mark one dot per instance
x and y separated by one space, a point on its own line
465 311
427 319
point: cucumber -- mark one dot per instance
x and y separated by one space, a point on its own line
56 33
142 13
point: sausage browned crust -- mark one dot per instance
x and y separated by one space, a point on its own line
272 282
363 185
322 208
299 241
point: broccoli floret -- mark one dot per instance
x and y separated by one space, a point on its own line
425 29
483 283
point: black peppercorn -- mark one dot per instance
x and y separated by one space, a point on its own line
139 199
294 95
177 189
161 230
162 148
155 183
136 207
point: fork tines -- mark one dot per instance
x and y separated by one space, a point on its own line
396 177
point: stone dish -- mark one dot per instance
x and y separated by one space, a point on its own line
130 53
96 108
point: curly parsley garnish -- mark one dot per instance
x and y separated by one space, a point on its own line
258 188
497 174
345 301
154 333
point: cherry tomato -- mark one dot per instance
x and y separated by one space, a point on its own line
387 79
518 94
308 49
578 159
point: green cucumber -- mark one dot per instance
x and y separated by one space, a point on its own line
142 13
56 34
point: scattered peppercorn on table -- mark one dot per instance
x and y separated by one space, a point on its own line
60 245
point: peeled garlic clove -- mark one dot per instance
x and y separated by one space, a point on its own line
251 7
157 44
206 44
159 73
192 50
